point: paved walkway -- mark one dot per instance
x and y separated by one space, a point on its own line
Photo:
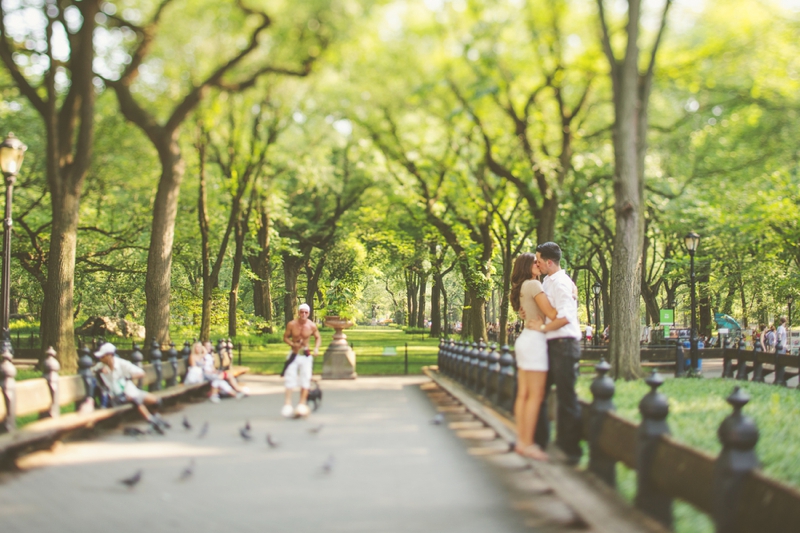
392 471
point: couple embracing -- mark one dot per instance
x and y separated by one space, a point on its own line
547 353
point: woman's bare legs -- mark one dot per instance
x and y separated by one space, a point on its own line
530 391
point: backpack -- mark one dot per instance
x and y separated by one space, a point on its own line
769 339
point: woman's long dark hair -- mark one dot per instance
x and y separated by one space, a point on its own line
523 265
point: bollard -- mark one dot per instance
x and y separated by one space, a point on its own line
50 374
184 355
654 409
459 359
780 371
600 464
741 370
483 363
492 371
758 366
85 364
7 374
472 367
505 383
137 358
172 359
738 434
448 360
727 364
680 361
155 359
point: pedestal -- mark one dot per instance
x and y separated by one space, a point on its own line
339 361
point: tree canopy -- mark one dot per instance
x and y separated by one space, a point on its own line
204 167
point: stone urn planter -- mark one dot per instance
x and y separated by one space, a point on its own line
339 361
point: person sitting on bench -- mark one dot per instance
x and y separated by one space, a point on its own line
115 377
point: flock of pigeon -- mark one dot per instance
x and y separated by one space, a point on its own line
246 433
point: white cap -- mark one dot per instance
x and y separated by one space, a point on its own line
106 349
304 307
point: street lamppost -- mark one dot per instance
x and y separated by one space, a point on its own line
789 300
692 241
596 288
12 151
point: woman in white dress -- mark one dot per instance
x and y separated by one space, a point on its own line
528 298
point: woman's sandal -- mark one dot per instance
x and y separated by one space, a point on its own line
532 452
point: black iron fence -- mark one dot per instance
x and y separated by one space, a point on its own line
730 487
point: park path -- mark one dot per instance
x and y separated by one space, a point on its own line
392 471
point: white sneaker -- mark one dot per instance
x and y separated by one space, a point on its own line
302 410
214 398
287 411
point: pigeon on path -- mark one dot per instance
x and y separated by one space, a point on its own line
438 419
203 431
315 430
187 472
247 425
186 423
272 443
327 466
133 432
132 481
245 434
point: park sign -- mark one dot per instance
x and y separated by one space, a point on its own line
666 317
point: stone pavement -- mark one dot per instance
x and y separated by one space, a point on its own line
392 471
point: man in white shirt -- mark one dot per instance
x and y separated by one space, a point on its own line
781 343
564 352
588 333
117 376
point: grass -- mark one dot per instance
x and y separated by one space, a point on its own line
696 409
368 342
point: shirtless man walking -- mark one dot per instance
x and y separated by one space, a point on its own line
300 362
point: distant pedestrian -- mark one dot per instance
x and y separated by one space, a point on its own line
781 341
757 346
769 339
588 333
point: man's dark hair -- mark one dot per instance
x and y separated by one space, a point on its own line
550 250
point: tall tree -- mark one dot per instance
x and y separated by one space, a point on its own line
66 107
232 75
631 89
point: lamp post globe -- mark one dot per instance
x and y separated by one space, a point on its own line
596 289
692 241
12 152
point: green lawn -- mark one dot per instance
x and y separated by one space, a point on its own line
368 344
696 409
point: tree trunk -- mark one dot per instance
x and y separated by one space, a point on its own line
238 255
505 302
312 285
478 318
423 288
291 270
205 253
162 235
58 328
546 229
436 309
260 264
445 310
631 96
466 316
704 299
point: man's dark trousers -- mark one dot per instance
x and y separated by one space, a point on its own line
563 356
